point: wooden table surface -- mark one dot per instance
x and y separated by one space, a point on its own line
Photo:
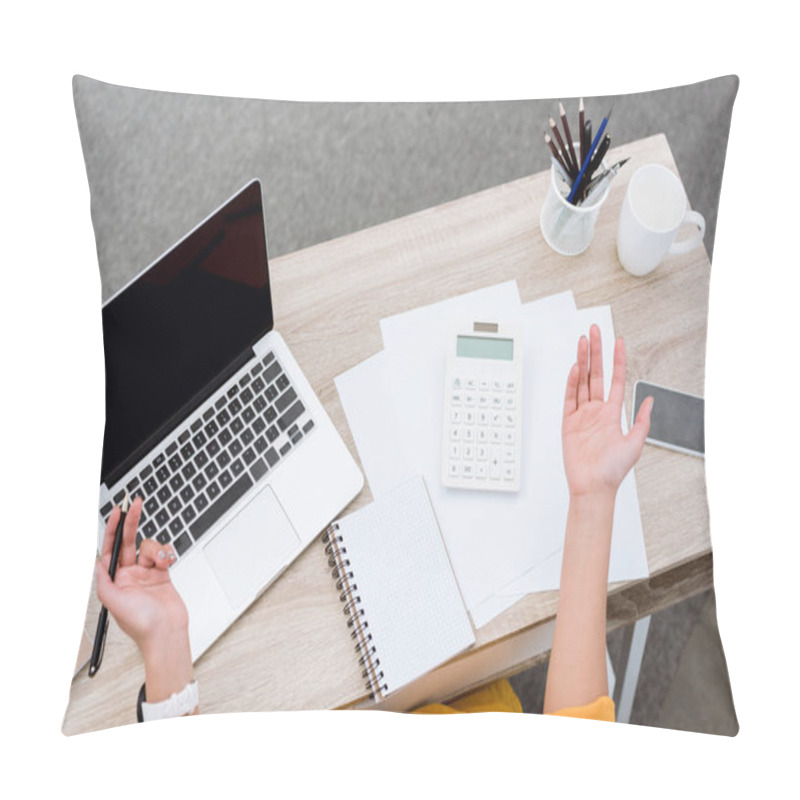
291 649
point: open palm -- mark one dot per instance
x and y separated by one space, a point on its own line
597 455
141 596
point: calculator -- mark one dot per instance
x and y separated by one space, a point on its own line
482 424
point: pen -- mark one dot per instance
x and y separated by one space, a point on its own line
597 158
610 172
102 621
596 141
595 161
597 186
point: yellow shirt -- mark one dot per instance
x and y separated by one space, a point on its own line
499 696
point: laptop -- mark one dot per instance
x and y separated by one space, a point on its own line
210 419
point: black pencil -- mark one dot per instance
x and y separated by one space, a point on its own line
569 135
102 620
572 169
581 131
587 138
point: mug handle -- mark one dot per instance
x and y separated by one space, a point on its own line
678 248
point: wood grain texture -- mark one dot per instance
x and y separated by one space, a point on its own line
291 649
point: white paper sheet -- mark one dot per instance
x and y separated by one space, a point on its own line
628 555
501 546
370 416
489 535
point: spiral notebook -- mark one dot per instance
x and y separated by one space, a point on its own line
402 603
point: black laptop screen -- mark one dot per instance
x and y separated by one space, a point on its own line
180 324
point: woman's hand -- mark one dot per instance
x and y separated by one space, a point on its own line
597 455
146 605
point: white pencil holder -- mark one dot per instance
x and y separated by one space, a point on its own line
568 228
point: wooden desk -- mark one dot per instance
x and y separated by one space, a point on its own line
292 650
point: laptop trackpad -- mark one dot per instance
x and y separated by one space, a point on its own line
252 547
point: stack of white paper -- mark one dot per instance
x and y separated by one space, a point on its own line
502 546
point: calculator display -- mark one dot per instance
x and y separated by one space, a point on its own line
482 347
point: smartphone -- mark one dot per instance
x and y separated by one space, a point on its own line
677 421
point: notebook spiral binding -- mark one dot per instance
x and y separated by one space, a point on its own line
353 610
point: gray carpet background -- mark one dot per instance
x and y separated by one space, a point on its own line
157 163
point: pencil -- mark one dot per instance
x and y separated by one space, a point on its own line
102 620
568 134
581 131
573 168
587 138
556 154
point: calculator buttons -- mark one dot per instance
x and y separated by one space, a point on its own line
481 436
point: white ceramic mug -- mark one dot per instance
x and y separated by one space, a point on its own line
653 211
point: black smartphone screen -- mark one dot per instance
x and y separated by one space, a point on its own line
677 420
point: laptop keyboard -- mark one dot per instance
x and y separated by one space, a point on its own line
234 442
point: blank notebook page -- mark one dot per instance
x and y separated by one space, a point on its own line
408 592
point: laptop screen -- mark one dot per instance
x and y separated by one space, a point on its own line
172 333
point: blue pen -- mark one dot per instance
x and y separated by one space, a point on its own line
588 158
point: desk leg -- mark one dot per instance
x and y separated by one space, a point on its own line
633 666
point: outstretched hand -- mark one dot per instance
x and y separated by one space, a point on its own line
141 597
597 455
